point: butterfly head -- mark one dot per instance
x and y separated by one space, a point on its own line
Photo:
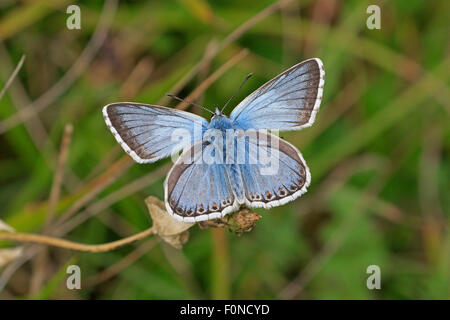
220 121
217 113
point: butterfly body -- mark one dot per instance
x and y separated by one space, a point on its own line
227 162
223 127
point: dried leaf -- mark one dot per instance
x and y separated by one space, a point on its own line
9 254
5 227
170 230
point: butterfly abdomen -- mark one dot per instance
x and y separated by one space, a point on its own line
236 182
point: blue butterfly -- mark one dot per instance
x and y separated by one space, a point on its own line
197 190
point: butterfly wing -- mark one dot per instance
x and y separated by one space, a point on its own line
289 101
197 191
277 182
146 132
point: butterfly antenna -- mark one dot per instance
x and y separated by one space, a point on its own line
246 78
190 102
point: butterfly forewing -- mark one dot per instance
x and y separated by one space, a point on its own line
289 101
146 132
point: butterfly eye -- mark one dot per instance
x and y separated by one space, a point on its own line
293 188
179 210
190 212
282 192
214 206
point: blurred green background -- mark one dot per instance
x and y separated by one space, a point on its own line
378 150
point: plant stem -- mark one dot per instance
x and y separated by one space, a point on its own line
220 265
66 244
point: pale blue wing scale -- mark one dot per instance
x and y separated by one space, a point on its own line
286 176
197 191
148 132
289 101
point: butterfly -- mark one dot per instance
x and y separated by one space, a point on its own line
197 190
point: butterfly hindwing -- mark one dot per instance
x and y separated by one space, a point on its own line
197 191
287 178
289 101
145 131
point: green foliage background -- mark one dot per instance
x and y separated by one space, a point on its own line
378 151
